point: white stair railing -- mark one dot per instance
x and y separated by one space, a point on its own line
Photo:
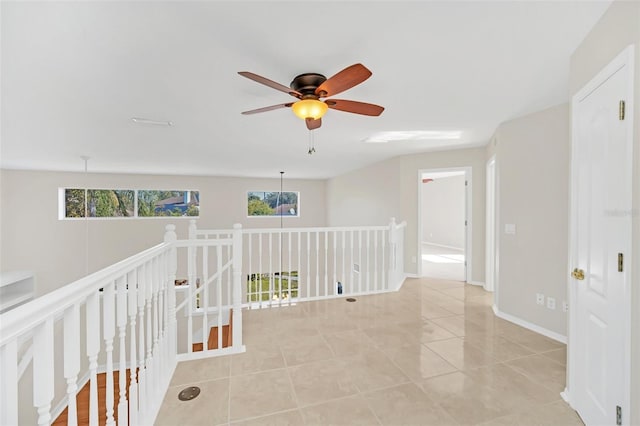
129 318
120 322
283 266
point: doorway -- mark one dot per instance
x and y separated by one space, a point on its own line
599 367
444 223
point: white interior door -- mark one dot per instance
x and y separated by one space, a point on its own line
601 233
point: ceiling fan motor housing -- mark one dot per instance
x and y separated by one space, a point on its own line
307 84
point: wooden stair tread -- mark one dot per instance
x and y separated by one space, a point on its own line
82 400
212 342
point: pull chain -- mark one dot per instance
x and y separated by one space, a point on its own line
312 146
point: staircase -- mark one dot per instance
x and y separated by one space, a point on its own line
212 342
82 400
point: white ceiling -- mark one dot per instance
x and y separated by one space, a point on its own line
75 73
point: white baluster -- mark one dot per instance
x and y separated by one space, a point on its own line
271 286
384 255
218 296
251 273
280 268
108 328
335 258
43 371
317 264
155 288
204 297
299 263
9 383
392 252
132 295
142 376
360 261
237 286
149 384
289 266
121 322
344 258
326 264
368 247
172 264
351 281
259 286
375 259
72 360
308 264
93 347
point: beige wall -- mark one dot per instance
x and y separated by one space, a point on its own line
33 238
532 163
390 189
617 29
443 211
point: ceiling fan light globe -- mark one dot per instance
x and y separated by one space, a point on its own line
309 108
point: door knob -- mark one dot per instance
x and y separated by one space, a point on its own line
578 274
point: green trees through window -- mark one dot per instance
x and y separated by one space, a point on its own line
122 203
263 203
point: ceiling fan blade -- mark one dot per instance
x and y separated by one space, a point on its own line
355 107
313 124
262 80
269 108
345 79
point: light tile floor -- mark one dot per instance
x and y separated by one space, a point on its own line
431 354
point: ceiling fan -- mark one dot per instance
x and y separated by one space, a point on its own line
309 88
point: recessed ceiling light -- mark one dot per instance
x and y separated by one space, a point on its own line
413 135
152 122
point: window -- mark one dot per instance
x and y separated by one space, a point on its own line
117 203
168 203
263 203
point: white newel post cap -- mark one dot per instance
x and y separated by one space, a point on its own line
170 234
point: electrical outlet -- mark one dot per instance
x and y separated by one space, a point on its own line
540 298
565 306
551 303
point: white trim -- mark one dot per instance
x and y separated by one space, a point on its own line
565 396
468 243
478 283
624 58
411 275
490 224
528 325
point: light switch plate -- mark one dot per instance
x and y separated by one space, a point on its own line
509 228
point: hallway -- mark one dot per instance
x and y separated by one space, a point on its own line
432 353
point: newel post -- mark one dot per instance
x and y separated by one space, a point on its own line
237 285
172 266
393 247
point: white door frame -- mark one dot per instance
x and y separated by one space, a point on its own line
491 226
625 58
468 218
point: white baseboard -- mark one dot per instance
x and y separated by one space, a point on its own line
411 275
478 283
565 396
443 246
533 327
